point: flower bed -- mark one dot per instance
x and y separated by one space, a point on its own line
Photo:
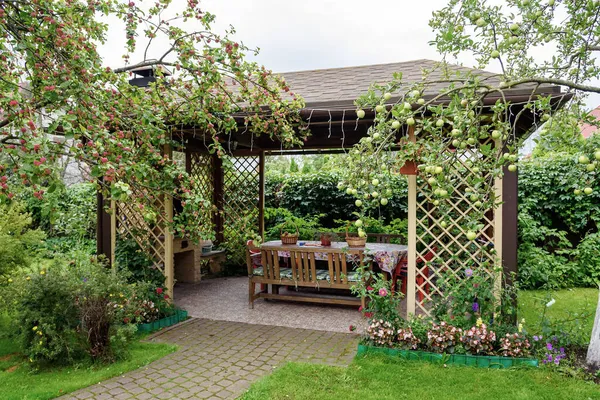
180 315
456 359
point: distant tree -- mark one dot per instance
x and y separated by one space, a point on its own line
293 166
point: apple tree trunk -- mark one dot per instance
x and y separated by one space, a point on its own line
593 354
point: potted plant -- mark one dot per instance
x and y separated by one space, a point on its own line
325 239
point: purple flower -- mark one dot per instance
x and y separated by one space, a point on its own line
549 357
557 361
468 272
475 307
536 338
562 350
549 346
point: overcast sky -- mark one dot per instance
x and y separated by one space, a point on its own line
298 35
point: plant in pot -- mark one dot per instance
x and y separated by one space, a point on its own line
326 239
356 236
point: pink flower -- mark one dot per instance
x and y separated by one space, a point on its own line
369 288
159 290
383 292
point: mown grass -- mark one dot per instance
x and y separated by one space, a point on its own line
18 381
569 302
382 377
378 377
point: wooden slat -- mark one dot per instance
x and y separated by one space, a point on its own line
276 269
344 272
331 267
313 266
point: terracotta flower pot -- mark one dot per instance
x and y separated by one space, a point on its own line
409 168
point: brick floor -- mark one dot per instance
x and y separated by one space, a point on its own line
220 359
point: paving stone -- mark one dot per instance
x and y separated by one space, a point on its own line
220 360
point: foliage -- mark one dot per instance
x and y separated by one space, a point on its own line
137 265
380 332
381 302
471 297
515 345
17 239
67 211
406 339
117 129
68 310
443 338
317 194
479 340
277 219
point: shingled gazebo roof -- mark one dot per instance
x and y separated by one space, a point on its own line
330 95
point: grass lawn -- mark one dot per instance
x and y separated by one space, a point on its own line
383 377
568 302
17 381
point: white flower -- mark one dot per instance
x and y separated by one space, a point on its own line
550 303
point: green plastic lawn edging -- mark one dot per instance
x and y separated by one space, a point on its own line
180 315
455 359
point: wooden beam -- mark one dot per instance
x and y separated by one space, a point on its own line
113 234
510 187
217 176
103 235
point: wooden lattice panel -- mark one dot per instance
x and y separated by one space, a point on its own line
201 170
241 192
454 252
149 234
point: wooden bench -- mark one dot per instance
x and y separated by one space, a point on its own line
302 272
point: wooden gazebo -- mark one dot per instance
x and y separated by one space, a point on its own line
236 188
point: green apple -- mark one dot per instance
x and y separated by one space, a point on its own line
590 167
396 125
415 93
360 113
476 170
429 169
471 235
463 145
588 190
358 222
512 167
407 105
432 181
387 96
495 54
474 197
464 102
410 121
358 203
388 192
376 135
514 27
456 143
443 224
367 196
349 191
597 155
375 182
438 170
439 123
480 22
455 132
361 233
496 134
421 101
443 193
577 192
374 194
471 141
478 204
436 202
513 39
354 192
379 108
583 159
383 201
550 3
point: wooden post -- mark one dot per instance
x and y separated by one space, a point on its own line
217 176
103 238
412 238
261 193
169 256
113 234
498 219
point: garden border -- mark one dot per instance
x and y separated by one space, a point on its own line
179 316
494 362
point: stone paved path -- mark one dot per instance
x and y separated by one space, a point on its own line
220 359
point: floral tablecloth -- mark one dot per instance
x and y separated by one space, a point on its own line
386 255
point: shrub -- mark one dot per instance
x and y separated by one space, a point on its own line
136 264
17 239
381 332
68 311
479 340
587 257
406 339
515 345
443 338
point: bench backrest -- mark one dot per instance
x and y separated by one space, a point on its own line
383 237
303 265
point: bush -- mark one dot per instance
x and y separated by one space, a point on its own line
17 239
70 311
136 265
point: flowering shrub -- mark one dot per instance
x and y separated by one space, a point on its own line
443 338
479 340
381 332
382 304
407 339
147 303
515 345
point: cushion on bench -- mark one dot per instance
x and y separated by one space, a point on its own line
322 274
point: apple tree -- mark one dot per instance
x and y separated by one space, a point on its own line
54 81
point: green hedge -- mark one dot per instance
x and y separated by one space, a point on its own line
317 194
